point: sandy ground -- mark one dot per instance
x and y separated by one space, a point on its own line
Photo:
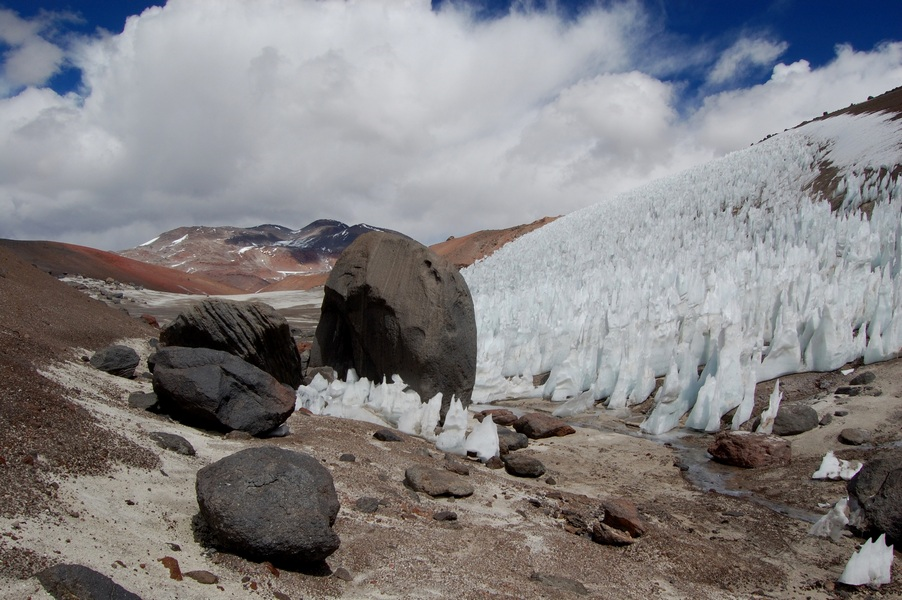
701 544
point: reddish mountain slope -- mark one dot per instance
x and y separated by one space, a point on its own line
57 258
464 251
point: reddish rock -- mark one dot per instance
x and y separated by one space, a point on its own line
500 416
205 577
622 514
539 425
173 565
751 450
150 320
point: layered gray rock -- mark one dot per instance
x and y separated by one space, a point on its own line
116 360
392 306
875 496
268 503
218 390
252 331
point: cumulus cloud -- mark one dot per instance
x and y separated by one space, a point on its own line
30 58
429 122
745 54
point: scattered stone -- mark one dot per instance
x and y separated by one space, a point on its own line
77 581
392 306
268 503
875 496
866 390
388 435
551 481
173 565
170 441
863 378
174 547
623 515
445 515
347 458
560 583
150 320
252 331
144 401
842 412
494 463
523 466
500 416
750 450
539 425
343 574
508 440
437 482
204 577
116 360
237 435
854 436
218 390
455 466
826 420
328 373
367 504
793 419
610 536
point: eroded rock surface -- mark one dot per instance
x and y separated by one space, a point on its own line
750 450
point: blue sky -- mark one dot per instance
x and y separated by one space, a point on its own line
436 120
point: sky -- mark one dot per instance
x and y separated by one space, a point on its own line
121 120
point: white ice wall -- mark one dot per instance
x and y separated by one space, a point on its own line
732 264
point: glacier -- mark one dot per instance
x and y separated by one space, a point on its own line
780 258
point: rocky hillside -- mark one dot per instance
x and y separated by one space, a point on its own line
250 258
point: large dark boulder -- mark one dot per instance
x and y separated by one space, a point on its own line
875 496
77 581
392 306
793 419
252 331
218 390
116 360
268 503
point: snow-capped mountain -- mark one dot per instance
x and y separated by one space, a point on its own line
251 258
780 258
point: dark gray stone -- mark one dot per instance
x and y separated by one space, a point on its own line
347 458
445 515
392 306
437 482
826 420
523 466
116 360
508 440
876 492
170 441
144 401
252 331
388 435
268 503
218 390
76 581
854 436
367 504
863 378
793 419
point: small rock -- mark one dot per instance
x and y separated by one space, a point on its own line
848 391
494 463
367 504
116 360
508 440
173 565
826 420
523 466
455 466
437 483
842 412
150 320
609 536
539 425
500 416
388 435
343 574
347 458
237 434
205 577
854 436
863 378
144 401
174 547
622 514
170 441
445 515
551 481
560 583
750 450
77 581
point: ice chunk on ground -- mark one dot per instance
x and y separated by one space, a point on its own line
454 431
834 468
574 406
831 525
770 413
483 440
871 565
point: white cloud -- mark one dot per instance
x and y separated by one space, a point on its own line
30 59
210 112
745 54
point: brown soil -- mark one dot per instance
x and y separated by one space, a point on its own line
464 251
82 482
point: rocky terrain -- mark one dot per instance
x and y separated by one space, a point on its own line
84 481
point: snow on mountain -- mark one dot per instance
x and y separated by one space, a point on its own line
780 258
